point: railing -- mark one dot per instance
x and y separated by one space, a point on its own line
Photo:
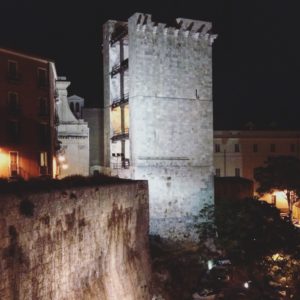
43 83
117 102
13 138
14 173
14 110
14 77
119 68
43 113
118 34
124 164
43 170
120 135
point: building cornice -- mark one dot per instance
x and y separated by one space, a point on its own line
25 55
256 133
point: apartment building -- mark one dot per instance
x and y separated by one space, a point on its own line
27 116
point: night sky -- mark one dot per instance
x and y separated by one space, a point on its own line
256 57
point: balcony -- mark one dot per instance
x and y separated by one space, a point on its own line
118 102
14 77
120 135
43 170
119 162
119 33
14 111
125 164
43 113
42 84
122 67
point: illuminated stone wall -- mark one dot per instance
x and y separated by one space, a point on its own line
75 244
170 117
73 135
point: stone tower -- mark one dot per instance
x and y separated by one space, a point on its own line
158 122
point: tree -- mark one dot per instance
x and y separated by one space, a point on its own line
263 248
247 229
281 173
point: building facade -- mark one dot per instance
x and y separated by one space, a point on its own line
27 116
94 118
238 153
158 115
73 135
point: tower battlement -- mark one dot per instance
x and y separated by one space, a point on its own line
198 30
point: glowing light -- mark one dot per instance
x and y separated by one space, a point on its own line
246 285
65 166
4 163
61 158
210 264
277 257
54 167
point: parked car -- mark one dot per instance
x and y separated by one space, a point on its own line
205 294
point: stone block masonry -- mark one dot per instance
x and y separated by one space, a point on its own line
169 79
77 243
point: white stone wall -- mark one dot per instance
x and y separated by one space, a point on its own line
73 135
75 145
170 128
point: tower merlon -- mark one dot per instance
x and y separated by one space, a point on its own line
198 30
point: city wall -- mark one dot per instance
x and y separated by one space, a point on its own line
75 243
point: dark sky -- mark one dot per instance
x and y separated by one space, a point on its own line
256 57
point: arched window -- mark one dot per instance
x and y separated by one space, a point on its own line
77 107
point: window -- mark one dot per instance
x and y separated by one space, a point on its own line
12 70
43 159
217 148
255 148
237 172
292 147
13 102
43 134
77 107
273 148
43 163
13 131
13 163
236 147
218 172
72 107
42 77
43 107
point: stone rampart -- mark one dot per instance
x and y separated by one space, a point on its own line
75 243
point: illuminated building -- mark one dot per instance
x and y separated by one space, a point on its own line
27 115
73 135
158 115
238 153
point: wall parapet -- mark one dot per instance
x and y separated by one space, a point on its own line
86 242
198 30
